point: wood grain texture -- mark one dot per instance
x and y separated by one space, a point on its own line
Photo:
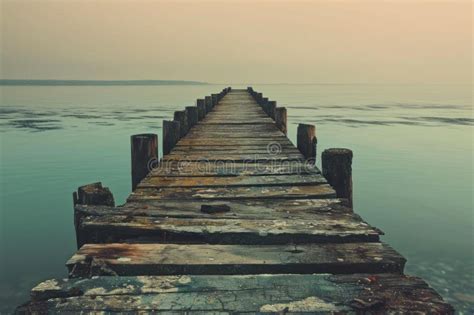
270 209
205 259
321 191
284 294
232 181
125 228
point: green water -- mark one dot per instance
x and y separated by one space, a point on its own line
413 167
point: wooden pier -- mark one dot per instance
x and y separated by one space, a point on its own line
233 219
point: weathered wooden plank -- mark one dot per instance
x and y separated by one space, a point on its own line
239 111
321 191
269 151
244 121
203 259
216 294
251 157
262 147
235 181
236 128
232 141
226 168
121 228
233 149
275 135
304 209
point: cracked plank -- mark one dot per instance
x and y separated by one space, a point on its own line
344 294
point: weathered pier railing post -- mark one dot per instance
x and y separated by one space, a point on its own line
306 141
281 119
337 169
144 149
271 107
264 103
214 98
202 108
208 103
171 134
92 195
192 115
180 116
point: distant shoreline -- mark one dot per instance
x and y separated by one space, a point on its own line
98 82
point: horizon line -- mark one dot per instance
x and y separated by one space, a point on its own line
84 82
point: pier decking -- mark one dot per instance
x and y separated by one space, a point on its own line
233 219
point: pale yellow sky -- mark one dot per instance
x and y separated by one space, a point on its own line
238 41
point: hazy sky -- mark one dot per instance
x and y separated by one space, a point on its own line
238 42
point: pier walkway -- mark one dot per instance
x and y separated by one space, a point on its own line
233 219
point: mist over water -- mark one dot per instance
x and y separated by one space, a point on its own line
413 171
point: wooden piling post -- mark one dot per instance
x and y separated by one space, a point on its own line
263 102
306 141
208 101
281 119
271 107
94 194
201 106
171 132
337 169
214 99
192 115
183 122
144 149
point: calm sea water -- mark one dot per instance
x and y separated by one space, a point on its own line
413 167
